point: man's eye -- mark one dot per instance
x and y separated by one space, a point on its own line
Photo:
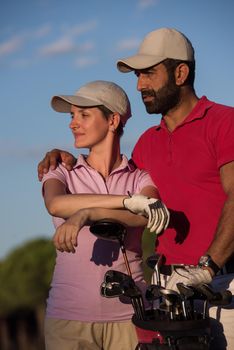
149 72
144 72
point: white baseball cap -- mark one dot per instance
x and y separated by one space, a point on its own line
93 94
157 46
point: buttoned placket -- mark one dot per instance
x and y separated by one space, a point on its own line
170 147
104 181
169 144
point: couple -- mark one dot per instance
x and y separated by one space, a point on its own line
189 156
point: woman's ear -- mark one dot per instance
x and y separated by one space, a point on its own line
114 121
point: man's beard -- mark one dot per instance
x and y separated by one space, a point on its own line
165 99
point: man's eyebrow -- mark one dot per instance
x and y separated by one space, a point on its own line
145 70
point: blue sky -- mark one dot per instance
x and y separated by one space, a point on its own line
50 47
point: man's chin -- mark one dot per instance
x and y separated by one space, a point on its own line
150 109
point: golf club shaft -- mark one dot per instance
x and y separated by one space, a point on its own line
125 259
138 307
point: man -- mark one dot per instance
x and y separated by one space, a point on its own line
190 156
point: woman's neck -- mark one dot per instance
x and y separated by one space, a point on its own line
105 159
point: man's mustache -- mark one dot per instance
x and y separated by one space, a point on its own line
147 93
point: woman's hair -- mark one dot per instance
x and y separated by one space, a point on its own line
171 65
106 113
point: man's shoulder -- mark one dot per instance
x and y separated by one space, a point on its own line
220 115
150 131
217 107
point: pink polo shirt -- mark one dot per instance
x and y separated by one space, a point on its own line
185 166
75 287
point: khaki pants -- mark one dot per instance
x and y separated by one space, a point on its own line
76 335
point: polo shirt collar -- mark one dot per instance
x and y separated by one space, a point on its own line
198 112
81 161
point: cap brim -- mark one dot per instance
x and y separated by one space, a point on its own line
63 103
138 62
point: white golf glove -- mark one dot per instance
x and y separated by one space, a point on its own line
189 275
152 208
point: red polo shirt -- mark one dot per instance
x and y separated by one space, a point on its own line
185 164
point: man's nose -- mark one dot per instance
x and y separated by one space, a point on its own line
140 82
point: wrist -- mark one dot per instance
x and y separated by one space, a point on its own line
206 262
124 197
86 214
209 269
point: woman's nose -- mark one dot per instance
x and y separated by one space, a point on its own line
74 123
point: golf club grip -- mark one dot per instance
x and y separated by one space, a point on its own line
221 298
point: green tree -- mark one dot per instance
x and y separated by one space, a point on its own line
25 276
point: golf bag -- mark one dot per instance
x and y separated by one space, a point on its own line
157 332
178 326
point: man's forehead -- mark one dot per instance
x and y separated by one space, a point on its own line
148 69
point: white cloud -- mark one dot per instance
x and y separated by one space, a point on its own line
128 44
12 45
81 29
88 46
67 42
143 4
83 62
17 150
61 46
41 32
65 45
16 42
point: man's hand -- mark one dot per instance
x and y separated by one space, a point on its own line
154 209
52 159
189 276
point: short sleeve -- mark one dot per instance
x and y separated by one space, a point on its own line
144 180
224 141
59 173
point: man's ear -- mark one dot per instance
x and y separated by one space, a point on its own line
181 73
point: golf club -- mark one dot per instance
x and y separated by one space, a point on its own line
117 283
154 262
187 293
112 230
173 299
152 294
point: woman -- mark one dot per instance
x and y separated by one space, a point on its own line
77 317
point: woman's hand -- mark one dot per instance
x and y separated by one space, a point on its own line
65 237
153 208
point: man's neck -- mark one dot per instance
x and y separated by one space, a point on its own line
177 115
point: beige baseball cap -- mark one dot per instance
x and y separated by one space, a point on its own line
157 46
93 94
